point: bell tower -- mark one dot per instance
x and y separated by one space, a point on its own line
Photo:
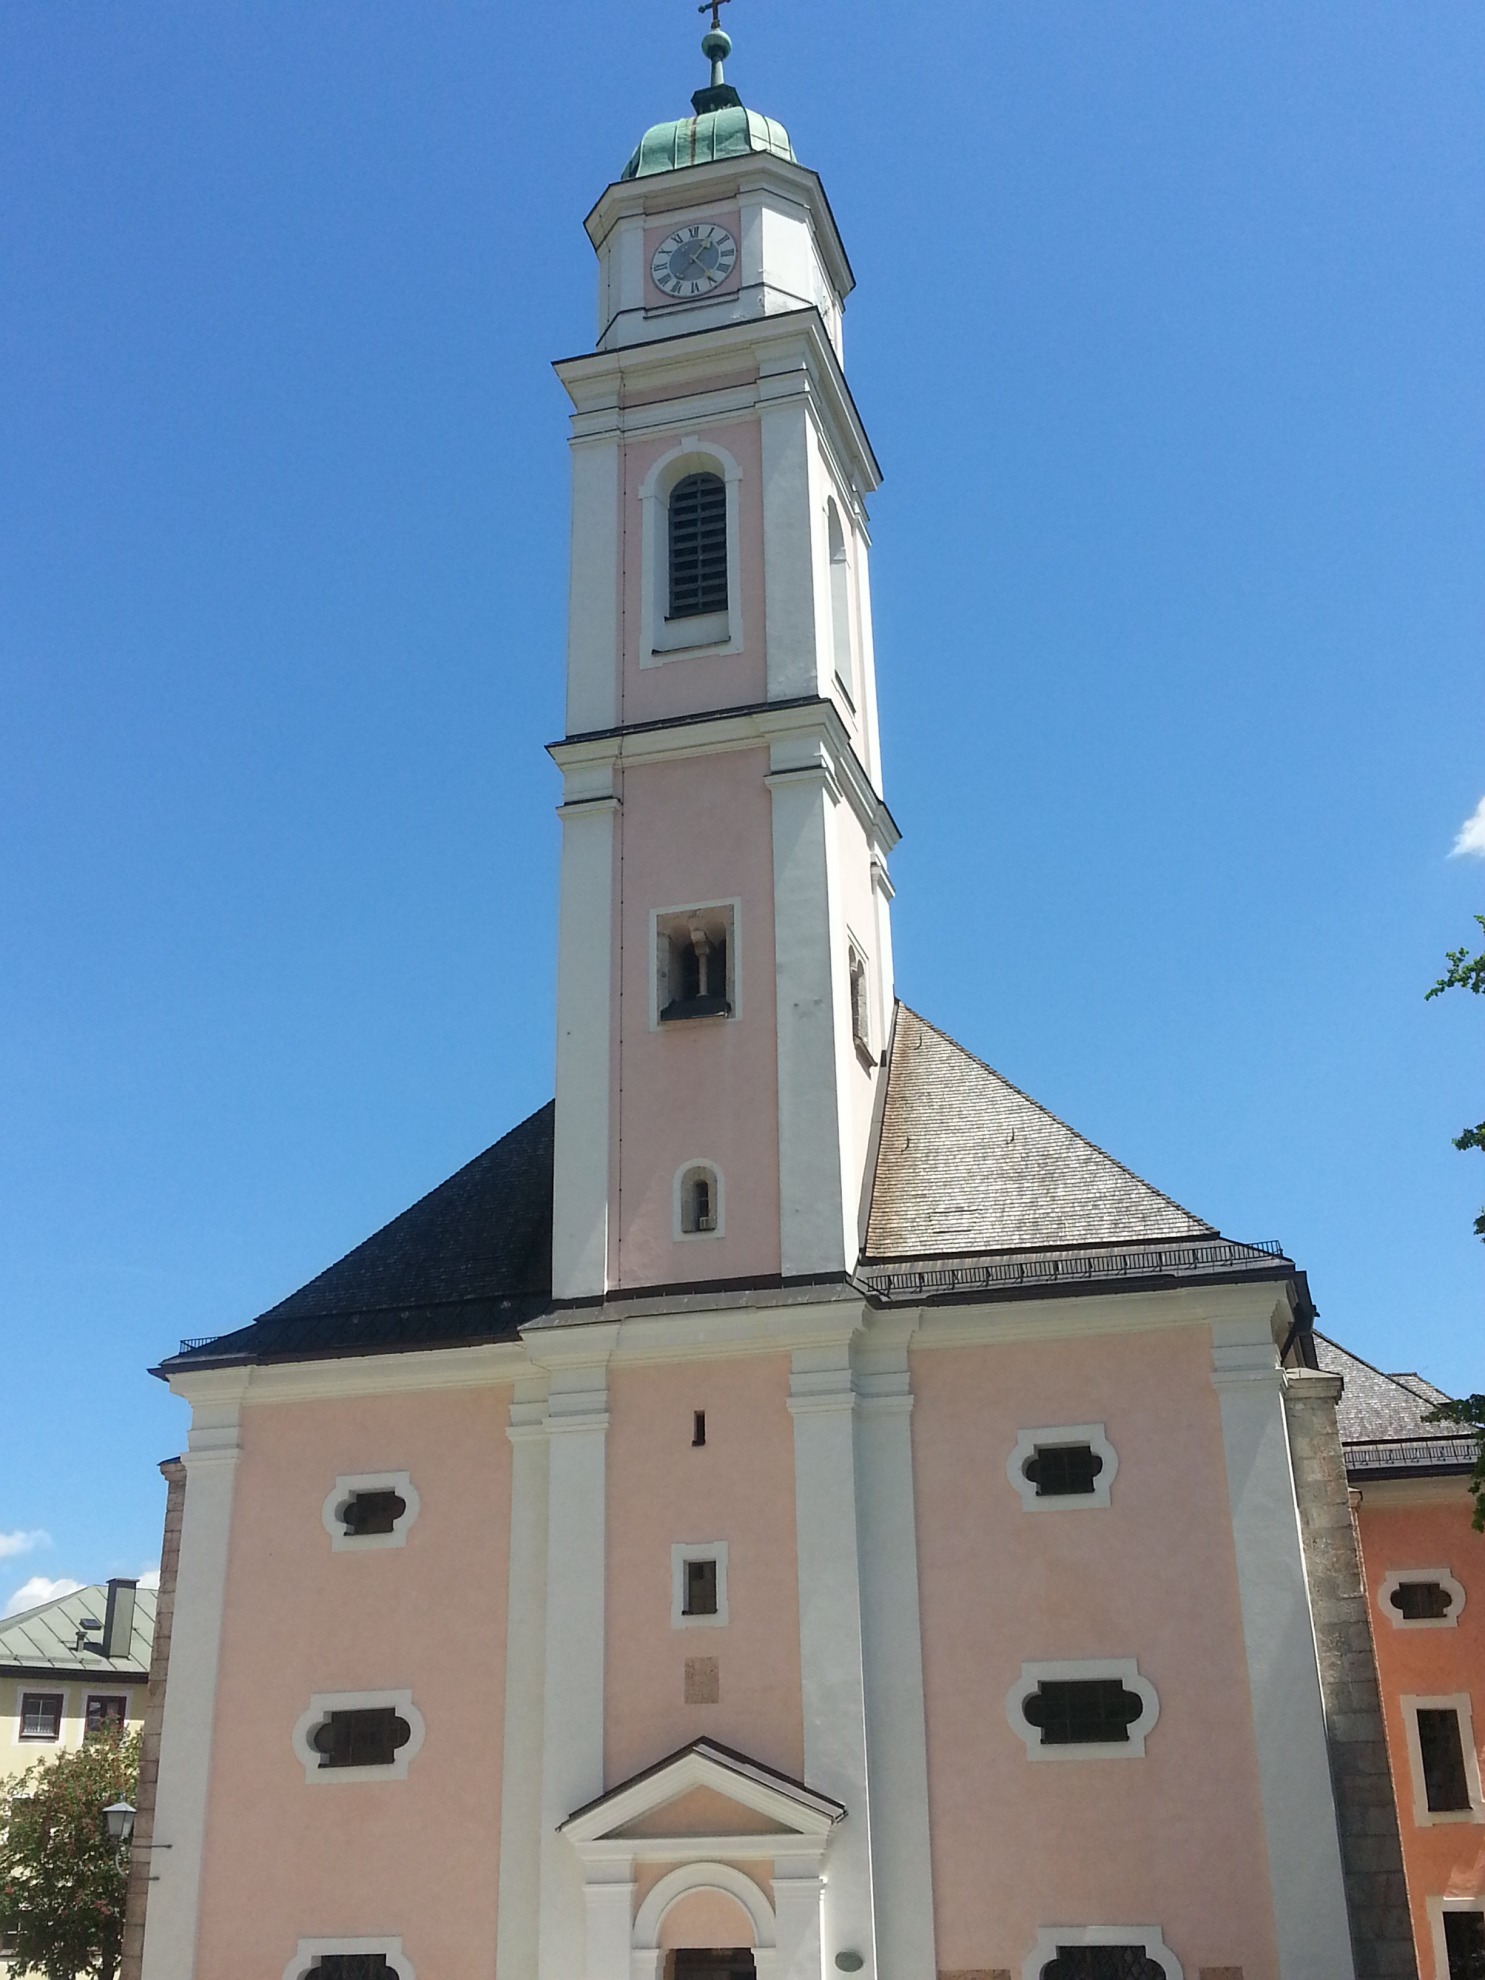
725 964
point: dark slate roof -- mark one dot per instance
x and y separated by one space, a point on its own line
979 1190
1381 1419
472 1261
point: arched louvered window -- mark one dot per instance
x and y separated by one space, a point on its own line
840 601
698 546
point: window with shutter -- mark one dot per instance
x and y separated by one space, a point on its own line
698 546
370 1736
1082 1711
352 1966
1103 1963
1063 1471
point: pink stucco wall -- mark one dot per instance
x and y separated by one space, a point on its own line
738 1487
1443 1859
695 830
1175 1837
415 1857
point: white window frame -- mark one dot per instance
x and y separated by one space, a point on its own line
719 1201
662 640
1126 1669
1436 1907
321 1705
45 1688
1050 1937
1395 1577
733 908
300 1967
346 1487
697 1550
1425 1817
1091 1434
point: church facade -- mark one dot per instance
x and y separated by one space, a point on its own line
792 1506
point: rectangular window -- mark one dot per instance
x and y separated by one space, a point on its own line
1464 1942
1445 1783
860 1002
701 1588
41 1715
695 963
106 1714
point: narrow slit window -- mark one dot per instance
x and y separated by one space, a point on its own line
1446 1786
1103 1963
1464 1944
369 1736
698 546
1063 1471
372 1512
1082 1711
1422 1601
698 1428
701 1588
860 1002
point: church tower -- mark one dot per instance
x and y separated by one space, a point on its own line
725 967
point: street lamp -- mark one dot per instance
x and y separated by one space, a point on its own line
119 1817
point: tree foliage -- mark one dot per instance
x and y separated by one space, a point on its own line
1466 972
62 1882
1470 1411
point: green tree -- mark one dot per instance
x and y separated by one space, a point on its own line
1466 972
62 1882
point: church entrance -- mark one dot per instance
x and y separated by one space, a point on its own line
710 1963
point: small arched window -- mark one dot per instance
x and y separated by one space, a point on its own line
698 546
840 600
699 1201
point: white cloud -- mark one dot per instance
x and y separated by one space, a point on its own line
1471 834
23 1543
31 1594
150 1578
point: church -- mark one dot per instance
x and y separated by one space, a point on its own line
791 1507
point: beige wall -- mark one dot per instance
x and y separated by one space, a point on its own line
16 1754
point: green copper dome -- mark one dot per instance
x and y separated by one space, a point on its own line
721 127
728 133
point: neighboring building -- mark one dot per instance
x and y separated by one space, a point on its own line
792 1506
1425 1582
71 1666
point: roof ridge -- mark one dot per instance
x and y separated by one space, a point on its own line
1067 1126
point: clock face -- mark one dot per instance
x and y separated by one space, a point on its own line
694 259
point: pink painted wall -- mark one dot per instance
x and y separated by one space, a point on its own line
723 680
1176 1837
416 1857
739 1487
1444 1859
691 831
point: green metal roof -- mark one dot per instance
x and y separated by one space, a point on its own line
731 132
44 1638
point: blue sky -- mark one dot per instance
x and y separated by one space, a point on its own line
1167 335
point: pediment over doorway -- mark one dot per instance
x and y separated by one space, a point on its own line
701 1795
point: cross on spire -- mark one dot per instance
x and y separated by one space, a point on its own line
714 8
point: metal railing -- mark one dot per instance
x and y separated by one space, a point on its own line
1053 1268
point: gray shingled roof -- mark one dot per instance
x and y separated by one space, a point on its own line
471 1261
43 1639
1381 1418
969 1164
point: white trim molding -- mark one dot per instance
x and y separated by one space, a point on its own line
697 1550
1458 1702
682 1882
323 1703
345 1489
1028 1442
302 1965
1396 1577
1436 1907
1050 1937
716 633
1076 1670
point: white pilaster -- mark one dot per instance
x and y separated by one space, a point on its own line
190 1698
822 1402
892 1647
817 1224
790 629
798 1893
584 1014
518 1916
1310 1919
609 1897
572 1709
593 589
